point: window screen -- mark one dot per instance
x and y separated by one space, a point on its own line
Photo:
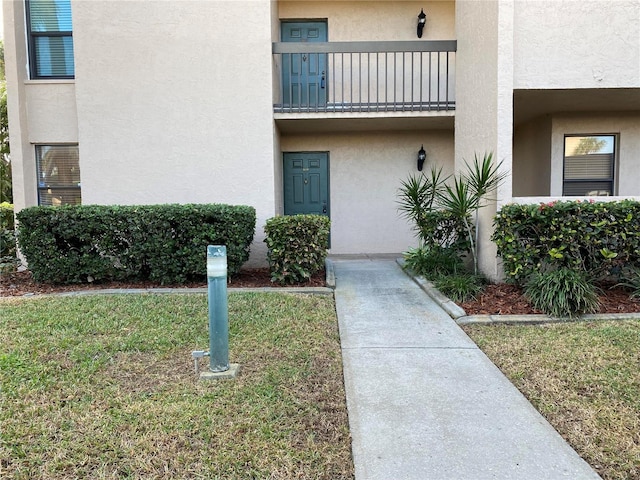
58 174
589 165
50 38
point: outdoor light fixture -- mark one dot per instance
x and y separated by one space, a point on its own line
422 20
422 156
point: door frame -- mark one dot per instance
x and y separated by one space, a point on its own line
328 154
324 21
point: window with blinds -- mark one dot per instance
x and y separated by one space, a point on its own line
50 38
58 175
589 163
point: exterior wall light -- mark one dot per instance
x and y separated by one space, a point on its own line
422 156
422 20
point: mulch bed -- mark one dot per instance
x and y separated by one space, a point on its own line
500 299
503 299
21 283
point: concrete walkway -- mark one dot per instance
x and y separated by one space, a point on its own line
424 402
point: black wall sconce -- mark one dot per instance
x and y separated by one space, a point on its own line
422 20
422 156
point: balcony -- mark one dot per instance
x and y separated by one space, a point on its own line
345 77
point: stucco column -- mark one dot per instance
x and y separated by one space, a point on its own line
22 152
484 106
489 262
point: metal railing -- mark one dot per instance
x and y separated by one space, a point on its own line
365 76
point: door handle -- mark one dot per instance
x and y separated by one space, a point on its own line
324 208
322 80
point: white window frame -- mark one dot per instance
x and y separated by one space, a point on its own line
49 182
611 180
33 38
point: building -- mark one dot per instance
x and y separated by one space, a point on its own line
320 106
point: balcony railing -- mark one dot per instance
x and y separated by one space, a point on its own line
365 76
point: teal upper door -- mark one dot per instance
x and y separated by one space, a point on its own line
304 74
306 183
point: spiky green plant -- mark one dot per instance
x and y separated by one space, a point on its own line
631 280
460 287
418 194
432 263
563 292
421 195
469 193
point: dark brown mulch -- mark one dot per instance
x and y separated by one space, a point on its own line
503 299
500 299
21 283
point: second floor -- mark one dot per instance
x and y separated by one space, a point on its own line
289 59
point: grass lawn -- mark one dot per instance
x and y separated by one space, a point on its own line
584 378
104 387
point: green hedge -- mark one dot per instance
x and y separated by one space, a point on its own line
599 238
297 246
162 243
8 259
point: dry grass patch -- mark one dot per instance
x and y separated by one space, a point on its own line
103 387
584 378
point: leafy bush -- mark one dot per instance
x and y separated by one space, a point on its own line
460 287
297 246
562 292
8 259
433 262
597 238
164 243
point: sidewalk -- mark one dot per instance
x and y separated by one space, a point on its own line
424 402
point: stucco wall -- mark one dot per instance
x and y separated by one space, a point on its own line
476 82
624 124
174 103
577 43
532 158
39 111
365 171
375 20
51 112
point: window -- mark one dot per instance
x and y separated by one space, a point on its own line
50 38
58 174
589 165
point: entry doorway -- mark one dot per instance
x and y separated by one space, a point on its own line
306 183
304 74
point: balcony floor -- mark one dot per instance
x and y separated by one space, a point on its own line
345 121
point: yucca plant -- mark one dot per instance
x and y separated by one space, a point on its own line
562 292
418 194
459 200
422 195
468 194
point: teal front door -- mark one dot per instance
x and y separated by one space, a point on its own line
306 183
304 74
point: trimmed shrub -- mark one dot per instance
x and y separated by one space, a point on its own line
8 259
562 292
598 238
297 246
162 243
